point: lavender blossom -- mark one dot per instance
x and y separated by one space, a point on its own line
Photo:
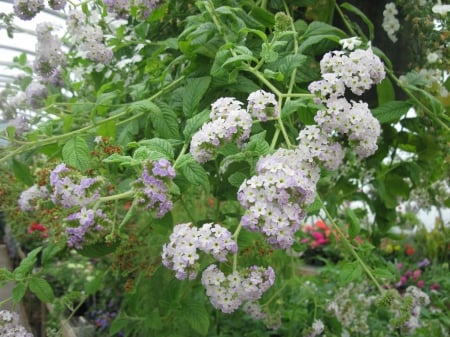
181 253
262 105
29 197
276 197
152 187
10 325
36 93
228 293
27 9
89 222
57 4
49 55
229 123
71 189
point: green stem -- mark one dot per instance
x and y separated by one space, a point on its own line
351 248
235 238
119 196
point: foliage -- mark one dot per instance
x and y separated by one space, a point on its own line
134 152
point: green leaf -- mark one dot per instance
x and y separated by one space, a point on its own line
316 39
363 17
95 284
107 129
117 325
27 264
354 226
193 171
391 112
75 153
6 275
322 28
155 320
385 91
42 289
52 250
162 146
165 122
98 249
237 178
194 91
195 123
144 153
350 271
383 273
121 160
22 172
126 133
196 316
18 292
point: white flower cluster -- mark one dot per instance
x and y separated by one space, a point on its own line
358 71
231 123
36 93
27 9
89 37
262 105
276 197
407 310
316 329
10 325
180 254
49 56
432 80
28 198
390 24
228 293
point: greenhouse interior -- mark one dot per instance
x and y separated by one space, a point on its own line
257 168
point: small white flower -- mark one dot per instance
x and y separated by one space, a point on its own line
441 9
432 57
350 43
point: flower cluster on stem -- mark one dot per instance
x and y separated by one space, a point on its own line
228 292
152 187
181 253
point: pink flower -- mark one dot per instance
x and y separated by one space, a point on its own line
416 274
434 287
403 279
399 266
420 284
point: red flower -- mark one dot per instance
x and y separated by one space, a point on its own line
409 250
37 227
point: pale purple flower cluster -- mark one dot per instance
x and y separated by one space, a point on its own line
152 187
353 119
358 71
29 197
228 292
89 220
10 325
36 93
49 56
262 105
315 144
27 9
276 197
20 124
57 4
229 123
70 189
181 253
122 7
89 37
